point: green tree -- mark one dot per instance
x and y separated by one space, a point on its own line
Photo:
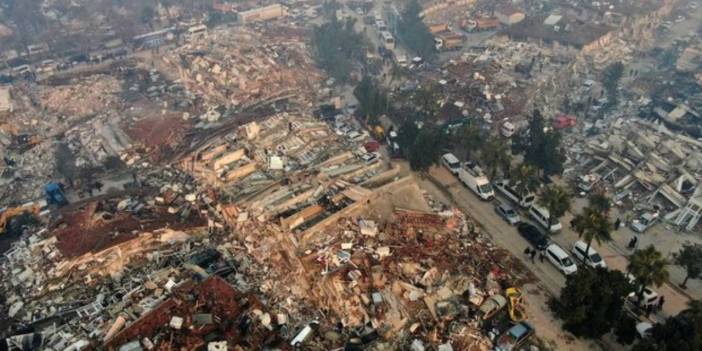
610 80
426 149
648 268
593 224
682 332
591 302
469 137
542 148
336 45
690 258
372 99
556 200
414 33
495 155
525 179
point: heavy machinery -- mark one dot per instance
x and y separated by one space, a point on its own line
8 214
54 194
517 311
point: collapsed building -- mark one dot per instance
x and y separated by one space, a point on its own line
647 166
279 225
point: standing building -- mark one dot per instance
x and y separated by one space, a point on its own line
5 100
263 13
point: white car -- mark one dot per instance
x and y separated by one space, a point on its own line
560 259
593 260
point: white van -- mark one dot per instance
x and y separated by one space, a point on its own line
512 194
451 162
560 259
540 215
594 259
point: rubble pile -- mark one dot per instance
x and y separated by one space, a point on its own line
645 166
260 233
81 98
248 69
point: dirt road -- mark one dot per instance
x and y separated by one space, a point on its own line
445 187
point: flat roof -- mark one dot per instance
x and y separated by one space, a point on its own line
5 101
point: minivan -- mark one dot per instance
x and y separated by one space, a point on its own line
451 162
594 259
560 259
541 216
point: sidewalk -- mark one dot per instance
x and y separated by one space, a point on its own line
616 256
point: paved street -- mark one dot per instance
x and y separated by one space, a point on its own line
444 186
507 236
548 327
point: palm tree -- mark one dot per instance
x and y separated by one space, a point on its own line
648 267
591 225
524 178
496 156
598 200
556 200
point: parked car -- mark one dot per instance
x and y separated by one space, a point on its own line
650 297
593 260
541 216
451 162
645 221
515 337
560 259
492 305
508 213
533 235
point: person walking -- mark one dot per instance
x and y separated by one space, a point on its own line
532 255
661 301
617 223
541 256
527 251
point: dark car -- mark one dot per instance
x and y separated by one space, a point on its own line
533 235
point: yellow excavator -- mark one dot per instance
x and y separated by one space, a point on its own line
9 213
517 310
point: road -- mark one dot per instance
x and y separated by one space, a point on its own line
446 187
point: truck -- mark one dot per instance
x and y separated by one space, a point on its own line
509 191
448 42
473 177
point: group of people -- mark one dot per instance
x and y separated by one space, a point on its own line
531 253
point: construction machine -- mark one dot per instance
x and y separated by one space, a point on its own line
8 214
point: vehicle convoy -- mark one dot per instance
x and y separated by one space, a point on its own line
472 176
509 190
